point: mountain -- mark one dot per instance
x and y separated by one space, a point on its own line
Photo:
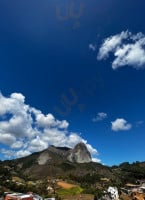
57 162
75 164
79 154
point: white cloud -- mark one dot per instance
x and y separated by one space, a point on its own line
37 144
120 124
89 147
96 160
92 47
110 44
18 96
24 129
49 121
100 116
22 153
127 48
7 138
17 145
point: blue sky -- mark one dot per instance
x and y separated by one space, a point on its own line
71 71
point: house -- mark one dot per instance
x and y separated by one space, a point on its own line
142 188
113 191
37 197
17 196
49 199
132 187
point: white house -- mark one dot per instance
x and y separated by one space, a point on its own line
113 191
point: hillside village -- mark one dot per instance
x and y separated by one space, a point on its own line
129 192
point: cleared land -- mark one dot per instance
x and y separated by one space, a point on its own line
68 189
65 185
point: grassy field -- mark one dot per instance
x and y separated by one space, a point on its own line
68 189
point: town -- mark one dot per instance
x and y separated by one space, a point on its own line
128 192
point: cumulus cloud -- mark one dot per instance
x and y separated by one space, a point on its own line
100 116
120 124
22 153
49 121
7 139
17 145
127 48
25 129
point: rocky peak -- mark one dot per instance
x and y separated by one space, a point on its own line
79 154
80 146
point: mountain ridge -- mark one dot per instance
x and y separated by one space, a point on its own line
79 154
57 162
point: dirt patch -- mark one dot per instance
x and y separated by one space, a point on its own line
65 185
136 196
